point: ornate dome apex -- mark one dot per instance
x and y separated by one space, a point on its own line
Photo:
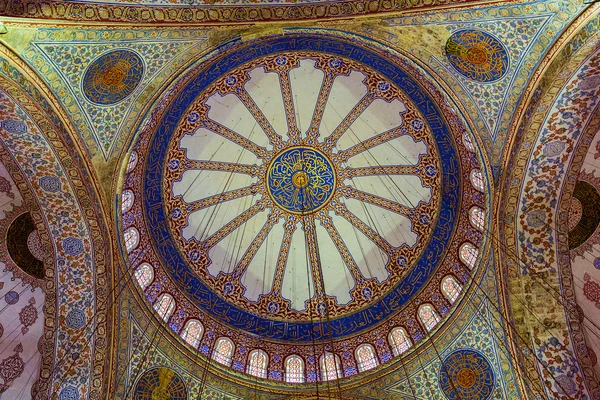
303 197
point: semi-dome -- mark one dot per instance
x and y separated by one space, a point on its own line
304 197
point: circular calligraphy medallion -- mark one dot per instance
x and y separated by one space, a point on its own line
301 180
466 374
112 77
160 384
477 55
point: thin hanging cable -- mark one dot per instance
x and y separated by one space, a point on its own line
503 248
110 297
368 151
145 357
507 323
499 339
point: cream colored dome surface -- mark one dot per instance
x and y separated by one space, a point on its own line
301 188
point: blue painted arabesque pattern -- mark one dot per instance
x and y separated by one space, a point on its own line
199 293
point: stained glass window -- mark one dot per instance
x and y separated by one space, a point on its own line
366 358
428 316
257 363
451 288
477 180
192 333
468 254
399 341
132 161
165 306
468 142
126 200
477 216
330 367
223 351
294 369
144 275
132 238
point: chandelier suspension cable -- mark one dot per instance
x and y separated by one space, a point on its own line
504 249
35 369
426 378
403 366
332 350
548 286
437 353
310 309
394 183
491 234
499 340
157 329
510 326
127 276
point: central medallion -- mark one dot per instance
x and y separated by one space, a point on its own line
301 180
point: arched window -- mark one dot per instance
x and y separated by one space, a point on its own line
468 254
468 142
133 159
366 358
132 238
428 316
477 216
126 200
144 274
294 369
165 306
192 333
223 352
330 367
257 363
399 341
477 180
451 288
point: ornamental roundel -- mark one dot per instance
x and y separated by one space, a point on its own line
296 188
300 180
477 55
160 384
112 77
466 374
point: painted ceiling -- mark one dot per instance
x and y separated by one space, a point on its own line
400 205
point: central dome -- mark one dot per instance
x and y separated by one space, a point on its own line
303 190
302 206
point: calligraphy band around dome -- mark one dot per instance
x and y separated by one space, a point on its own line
379 308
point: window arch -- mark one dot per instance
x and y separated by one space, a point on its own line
428 316
477 180
133 159
468 142
451 288
127 200
192 333
366 358
165 306
257 363
223 352
399 341
477 217
144 274
468 254
330 366
294 369
132 238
